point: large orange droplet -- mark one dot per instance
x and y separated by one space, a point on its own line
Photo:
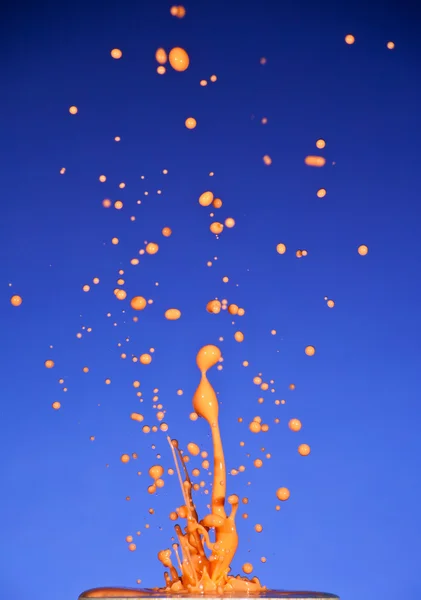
295 425
304 449
190 123
206 199
145 359
349 39
15 300
310 350
216 228
179 59
49 364
283 494
281 248
152 248
138 303
116 53
362 250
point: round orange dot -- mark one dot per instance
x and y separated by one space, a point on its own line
216 227
390 45
132 547
258 528
331 303
283 494
229 222
49 364
281 248
320 144
214 306
179 59
166 232
203 82
15 300
121 294
349 39
138 303
115 241
161 70
233 309
116 53
56 405
152 248
304 449
239 336
247 568
321 193
310 350
118 204
190 123
146 359
295 425
125 458
73 110
362 250
267 159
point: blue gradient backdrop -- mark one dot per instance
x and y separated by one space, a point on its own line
352 523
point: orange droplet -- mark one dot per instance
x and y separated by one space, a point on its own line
56 405
115 241
320 144
267 159
106 203
49 364
229 222
239 336
310 350
258 463
15 300
166 232
73 110
125 458
247 568
161 56
138 303
117 138
156 471
121 294
132 547
304 449
315 161
190 123
206 199
362 250
331 303
129 539
390 45
203 82
217 203
179 59
216 227
172 314
214 306
258 528
102 178
281 248
137 417
295 424
349 39
321 193
116 53
193 449
145 359
118 205
152 248
283 494
62 170
161 70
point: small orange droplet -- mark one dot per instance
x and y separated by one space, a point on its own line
161 56
190 123
247 568
349 39
49 364
267 159
166 232
320 144
73 110
310 350
125 458
56 405
304 449
281 248
362 250
295 424
239 336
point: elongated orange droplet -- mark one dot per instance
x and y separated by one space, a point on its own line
315 161
172 314
161 56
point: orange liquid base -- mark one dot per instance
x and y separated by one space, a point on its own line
199 573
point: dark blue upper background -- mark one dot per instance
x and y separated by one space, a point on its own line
351 523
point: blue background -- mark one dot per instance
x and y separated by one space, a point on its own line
352 523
